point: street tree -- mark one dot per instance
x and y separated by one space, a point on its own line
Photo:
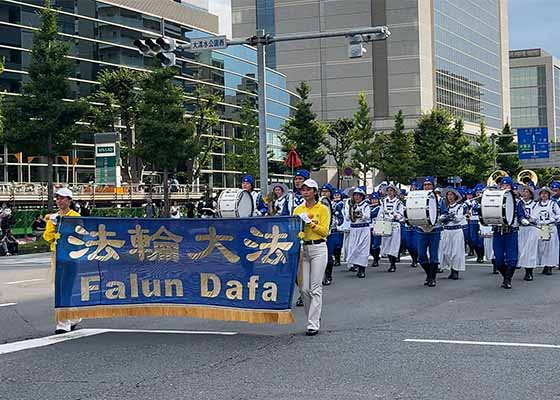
304 133
461 153
364 156
399 157
162 136
40 121
484 157
118 93
340 142
431 138
505 144
245 155
202 120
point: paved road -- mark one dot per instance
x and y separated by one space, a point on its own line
363 350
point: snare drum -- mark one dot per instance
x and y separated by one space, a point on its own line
382 228
544 233
422 208
235 203
497 207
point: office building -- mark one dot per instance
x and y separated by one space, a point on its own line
101 35
451 54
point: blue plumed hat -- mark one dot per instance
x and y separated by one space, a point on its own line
303 173
248 179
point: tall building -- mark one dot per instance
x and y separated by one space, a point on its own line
535 91
451 54
101 35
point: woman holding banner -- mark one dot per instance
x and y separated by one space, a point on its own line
316 217
63 198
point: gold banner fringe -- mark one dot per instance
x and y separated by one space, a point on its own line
149 310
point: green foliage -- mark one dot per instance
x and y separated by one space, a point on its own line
341 140
431 138
399 157
162 136
546 175
484 156
119 95
462 152
38 246
202 121
39 122
304 133
365 156
245 157
505 144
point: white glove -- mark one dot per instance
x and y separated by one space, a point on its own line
525 222
305 218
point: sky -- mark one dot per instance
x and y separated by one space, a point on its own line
533 24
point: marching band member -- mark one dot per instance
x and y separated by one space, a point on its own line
410 237
338 215
294 197
452 246
392 209
359 236
248 184
326 198
277 206
475 239
547 213
528 235
375 240
63 198
555 187
429 241
316 217
345 227
505 244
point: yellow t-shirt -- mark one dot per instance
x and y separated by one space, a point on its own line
321 217
50 230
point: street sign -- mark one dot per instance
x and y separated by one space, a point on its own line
348 172
208 43
347 178
533 143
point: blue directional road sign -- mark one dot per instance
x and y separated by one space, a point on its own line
532 143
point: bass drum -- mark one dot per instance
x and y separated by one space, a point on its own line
235 203
382 228
497 207
422 208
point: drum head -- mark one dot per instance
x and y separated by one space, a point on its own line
245 205
509 208
432 209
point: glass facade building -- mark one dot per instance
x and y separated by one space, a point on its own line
468 59
101 35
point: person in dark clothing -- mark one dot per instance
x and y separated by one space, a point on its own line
11 244
38 226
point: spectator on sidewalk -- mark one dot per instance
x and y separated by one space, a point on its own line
38 226
9 243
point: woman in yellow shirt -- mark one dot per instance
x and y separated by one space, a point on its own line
316 217
63 199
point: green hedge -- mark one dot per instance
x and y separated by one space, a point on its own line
40 246
118 212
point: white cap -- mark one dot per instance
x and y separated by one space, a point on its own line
311 183
64 192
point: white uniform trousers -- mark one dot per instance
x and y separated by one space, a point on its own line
547 255
488 248
359 243
452 249
344 253
390 245
528 239
313 269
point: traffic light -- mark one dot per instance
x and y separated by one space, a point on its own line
162 48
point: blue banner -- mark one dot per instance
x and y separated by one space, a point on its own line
227 269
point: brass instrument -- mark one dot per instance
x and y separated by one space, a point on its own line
496 177
526 176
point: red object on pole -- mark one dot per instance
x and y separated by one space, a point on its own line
292 159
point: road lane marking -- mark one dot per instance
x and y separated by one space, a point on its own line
82 333
544 346
7 304
25 281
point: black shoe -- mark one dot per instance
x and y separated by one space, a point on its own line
528 275
352 268
506 284
439 270
392 268
547 271
480 260
414 265
327 281
73 327
454 275
431 283
361 272
60 331
311 332
337 262
375 263
299 302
